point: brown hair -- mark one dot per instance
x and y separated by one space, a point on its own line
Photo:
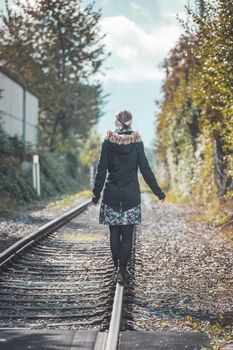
124 118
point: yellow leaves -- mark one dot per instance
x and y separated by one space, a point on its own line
189 318
207 84
194 325
179 323
163 324
190 322
216 329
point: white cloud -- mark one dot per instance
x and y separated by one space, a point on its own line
136 52
127 53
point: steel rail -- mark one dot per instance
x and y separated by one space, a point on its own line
116 317
115 322
49 227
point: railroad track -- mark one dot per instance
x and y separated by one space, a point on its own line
61 277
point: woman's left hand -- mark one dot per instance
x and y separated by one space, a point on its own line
95 201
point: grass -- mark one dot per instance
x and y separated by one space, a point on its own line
68 200
9 206
83 237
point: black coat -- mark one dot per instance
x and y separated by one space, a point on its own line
121 155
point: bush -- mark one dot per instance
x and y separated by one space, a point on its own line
56 176
59 173
15 182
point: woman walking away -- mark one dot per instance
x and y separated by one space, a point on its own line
121 155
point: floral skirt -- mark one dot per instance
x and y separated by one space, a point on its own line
110 216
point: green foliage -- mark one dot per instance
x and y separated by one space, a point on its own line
90 150
60 174
55 174
72 165
57 49
6 146
195 125
15 182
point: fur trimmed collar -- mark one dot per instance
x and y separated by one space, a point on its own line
123 139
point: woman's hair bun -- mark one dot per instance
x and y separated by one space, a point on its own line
124 119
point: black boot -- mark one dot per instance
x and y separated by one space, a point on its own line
116 268
115 262
121 277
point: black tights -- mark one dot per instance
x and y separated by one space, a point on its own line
121 238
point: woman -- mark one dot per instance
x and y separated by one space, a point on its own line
121 155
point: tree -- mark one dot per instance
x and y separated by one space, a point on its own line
90 150
55 48
195 125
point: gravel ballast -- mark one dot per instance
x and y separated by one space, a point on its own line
183 274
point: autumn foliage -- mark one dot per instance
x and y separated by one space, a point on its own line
195 124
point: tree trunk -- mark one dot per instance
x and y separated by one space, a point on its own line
52 145
221 178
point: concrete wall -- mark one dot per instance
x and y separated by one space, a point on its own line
14 105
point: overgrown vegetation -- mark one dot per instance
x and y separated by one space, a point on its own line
195 125
55 50
60 174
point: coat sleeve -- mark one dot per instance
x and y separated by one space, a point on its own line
101 172
147 173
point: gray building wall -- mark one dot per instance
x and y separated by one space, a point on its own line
18 110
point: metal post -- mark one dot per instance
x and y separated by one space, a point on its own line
36 174
24 119
91 176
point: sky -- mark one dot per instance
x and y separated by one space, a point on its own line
139 35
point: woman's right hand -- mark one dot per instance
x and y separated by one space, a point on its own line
95 201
